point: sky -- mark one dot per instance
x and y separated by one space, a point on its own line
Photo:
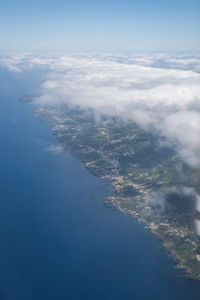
106 25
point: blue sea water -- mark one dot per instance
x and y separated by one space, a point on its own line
57 240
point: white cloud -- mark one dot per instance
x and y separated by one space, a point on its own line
160 92
55 149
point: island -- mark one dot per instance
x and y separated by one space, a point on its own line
149 179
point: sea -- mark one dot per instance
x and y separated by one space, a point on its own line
57 239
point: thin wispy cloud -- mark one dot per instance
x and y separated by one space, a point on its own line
54 149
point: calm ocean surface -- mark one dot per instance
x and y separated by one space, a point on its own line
57 240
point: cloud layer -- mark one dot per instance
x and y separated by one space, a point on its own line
160 92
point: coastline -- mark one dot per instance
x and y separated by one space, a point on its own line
178 240
111 203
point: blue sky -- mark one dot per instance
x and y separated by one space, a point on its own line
145 25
